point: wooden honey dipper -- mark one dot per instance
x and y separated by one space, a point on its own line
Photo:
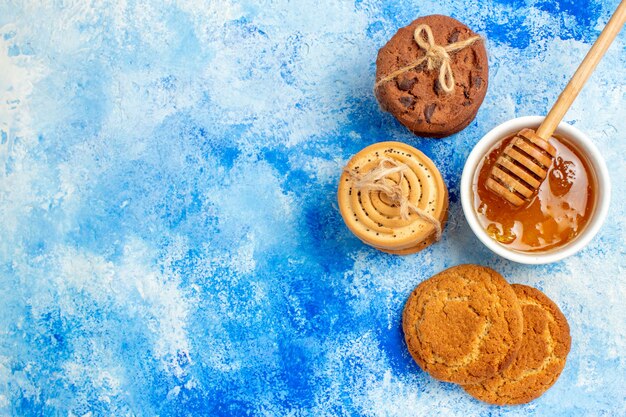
524 163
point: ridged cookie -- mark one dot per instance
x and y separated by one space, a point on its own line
422 245
375 215
463 325
541 359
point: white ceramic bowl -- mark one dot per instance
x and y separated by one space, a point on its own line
597 165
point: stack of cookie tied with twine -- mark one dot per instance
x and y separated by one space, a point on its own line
432 76
392 197
505 344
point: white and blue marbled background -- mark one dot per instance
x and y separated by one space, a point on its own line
170 243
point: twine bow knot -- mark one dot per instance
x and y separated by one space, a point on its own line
373 181
436 56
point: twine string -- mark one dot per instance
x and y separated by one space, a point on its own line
373 180
436 56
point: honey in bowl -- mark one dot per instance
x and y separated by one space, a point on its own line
553 216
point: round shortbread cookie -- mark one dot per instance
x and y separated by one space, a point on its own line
540 360
374 217
463 325
422 245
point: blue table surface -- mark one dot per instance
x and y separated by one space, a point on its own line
170 243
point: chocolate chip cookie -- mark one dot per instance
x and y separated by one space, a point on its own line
414 94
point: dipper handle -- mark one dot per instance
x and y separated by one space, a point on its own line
583 72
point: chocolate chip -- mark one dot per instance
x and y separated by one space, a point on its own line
454 36
437 88
466 92
407 101
477 81
405 84
428 112
467 102
475 58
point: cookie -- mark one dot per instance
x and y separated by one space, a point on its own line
392 197
463 325
408 83
538 364
422 245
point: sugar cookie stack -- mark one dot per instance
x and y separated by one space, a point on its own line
505 344
392 197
